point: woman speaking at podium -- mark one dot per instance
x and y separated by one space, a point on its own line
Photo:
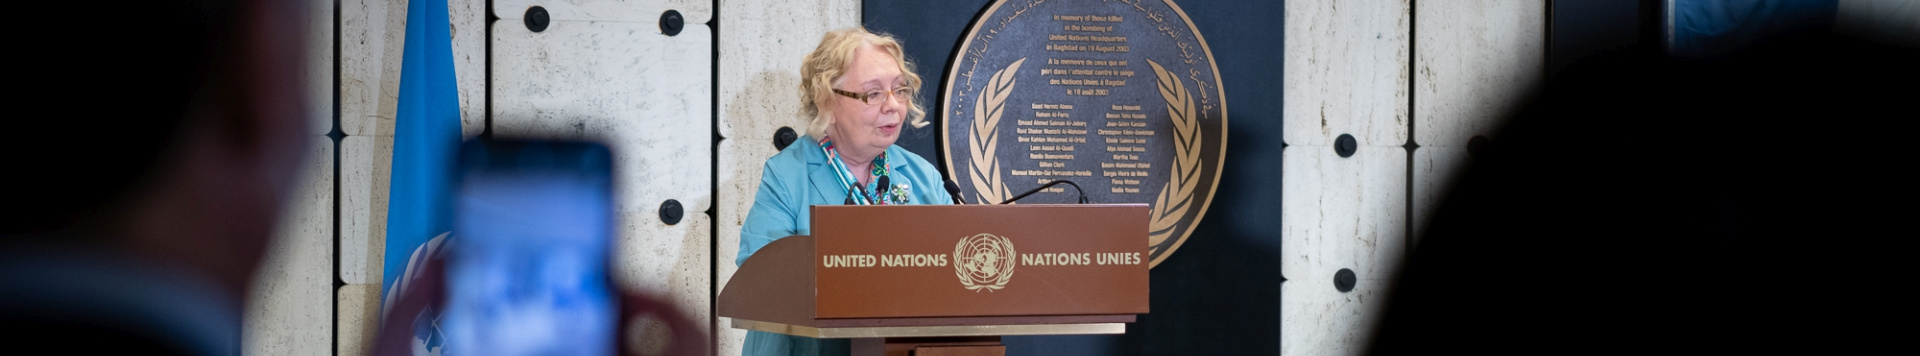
857 90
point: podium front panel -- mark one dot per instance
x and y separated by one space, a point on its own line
979 260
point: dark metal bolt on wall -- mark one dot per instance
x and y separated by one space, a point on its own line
670 212
1345 145
536 19
1478 146
783 137
1344 280
671 22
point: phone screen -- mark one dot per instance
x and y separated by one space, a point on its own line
532 236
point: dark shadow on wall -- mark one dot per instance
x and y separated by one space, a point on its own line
1583 28
1746 205
1220 292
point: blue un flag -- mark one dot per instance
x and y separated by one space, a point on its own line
426 137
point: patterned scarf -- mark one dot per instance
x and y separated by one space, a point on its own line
875 194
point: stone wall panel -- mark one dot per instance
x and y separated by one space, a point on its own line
693 12
1479 63
373 37
648 97
1338 213
290 307
1346 71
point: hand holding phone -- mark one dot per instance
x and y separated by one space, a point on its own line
527 265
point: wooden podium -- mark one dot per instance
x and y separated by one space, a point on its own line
947 279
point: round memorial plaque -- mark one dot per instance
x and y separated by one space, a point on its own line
1119 96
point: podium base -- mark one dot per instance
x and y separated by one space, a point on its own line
929 346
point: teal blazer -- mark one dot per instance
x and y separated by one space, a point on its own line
797 178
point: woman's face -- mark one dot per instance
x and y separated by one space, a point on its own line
867 128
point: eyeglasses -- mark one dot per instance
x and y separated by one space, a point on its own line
875 97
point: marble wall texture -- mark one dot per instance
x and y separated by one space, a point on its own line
1346 73
1475 64
290 308
761 45
1413 83
365 166
373 36
605 71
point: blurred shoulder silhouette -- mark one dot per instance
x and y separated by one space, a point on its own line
164 138
1645 204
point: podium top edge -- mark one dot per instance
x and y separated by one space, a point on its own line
931 331
1113 205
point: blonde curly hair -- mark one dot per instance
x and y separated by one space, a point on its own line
821 71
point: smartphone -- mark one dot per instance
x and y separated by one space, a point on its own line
527 272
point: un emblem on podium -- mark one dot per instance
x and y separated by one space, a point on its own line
983 261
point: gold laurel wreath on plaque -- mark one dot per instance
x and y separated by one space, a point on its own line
982 259
985 136
1177 196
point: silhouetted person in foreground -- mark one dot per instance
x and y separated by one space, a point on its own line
1651 205
152 148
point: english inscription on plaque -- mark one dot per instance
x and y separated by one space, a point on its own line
1121 97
